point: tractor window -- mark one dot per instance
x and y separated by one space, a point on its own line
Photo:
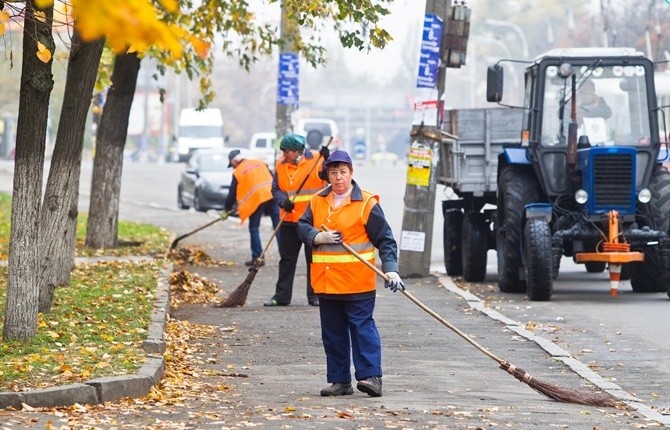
611 106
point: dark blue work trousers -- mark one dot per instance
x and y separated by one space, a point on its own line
348 330
269 208
289 251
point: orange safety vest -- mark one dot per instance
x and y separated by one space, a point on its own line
334 270
289 178
254 186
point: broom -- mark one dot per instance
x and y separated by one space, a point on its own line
239 296
550 390
174 243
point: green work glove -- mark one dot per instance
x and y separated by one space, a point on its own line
224 215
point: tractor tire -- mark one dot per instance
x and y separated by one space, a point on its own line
453 222
539 260
475 246
650 275
595 266
516 189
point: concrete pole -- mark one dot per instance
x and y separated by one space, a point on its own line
417 222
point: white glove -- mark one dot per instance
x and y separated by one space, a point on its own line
327 237
393 281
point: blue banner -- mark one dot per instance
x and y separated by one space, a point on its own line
430 51
288 91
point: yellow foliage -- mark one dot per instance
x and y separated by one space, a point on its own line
4 16
43 53
43 4
2 28
131 23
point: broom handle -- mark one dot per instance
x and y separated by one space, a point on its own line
302 184
420 304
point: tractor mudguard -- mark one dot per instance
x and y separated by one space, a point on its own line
516 156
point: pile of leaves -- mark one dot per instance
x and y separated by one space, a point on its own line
195 256
187 287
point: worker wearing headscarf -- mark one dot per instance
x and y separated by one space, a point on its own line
298 167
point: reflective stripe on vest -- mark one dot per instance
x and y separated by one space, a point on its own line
289 178
334 270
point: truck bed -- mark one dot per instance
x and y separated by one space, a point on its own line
469 163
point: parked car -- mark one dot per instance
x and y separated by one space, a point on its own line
384 158
205 181
262 145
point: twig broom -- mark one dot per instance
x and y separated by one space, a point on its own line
174 243
566 395
239 296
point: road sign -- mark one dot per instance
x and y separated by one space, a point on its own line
288 91
430 51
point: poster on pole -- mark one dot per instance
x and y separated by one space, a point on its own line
419 165
288 79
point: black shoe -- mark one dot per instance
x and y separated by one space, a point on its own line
314 302
372 386
338 389
274 302
259 262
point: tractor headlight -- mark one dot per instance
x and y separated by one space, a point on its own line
644 196
581 196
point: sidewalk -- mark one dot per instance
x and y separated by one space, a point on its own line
266 366
432 377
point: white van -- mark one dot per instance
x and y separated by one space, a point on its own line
317 131
262 146
197 130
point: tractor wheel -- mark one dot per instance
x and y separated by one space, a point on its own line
595 266
475 246
453 221
650 275
539 260
516 188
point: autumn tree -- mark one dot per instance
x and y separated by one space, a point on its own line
232 21
132 28
36 85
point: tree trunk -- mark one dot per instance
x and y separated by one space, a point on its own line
103 213
59 211
36 86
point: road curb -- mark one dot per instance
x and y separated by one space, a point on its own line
105 389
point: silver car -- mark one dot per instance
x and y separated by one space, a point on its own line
205 181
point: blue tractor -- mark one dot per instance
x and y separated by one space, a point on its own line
586 178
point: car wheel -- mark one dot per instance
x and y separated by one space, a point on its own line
180 199
197 203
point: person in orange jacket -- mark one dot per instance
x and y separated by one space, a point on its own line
345 286
251 190
296 164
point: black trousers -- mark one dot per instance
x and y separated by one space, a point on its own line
289 250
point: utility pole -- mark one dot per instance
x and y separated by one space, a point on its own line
288 97
445 32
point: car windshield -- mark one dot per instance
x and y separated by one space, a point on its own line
214 163
611 106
